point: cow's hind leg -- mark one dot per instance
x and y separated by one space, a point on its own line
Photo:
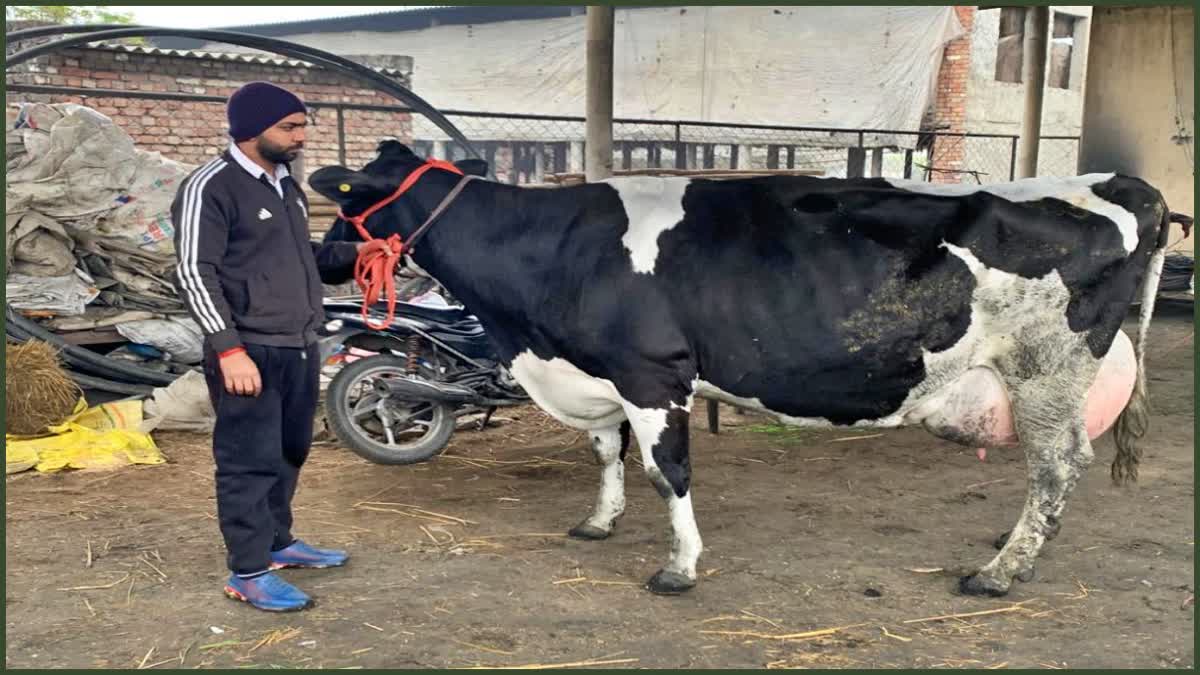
1049 419
662 436
609 447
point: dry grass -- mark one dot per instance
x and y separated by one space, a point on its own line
37 390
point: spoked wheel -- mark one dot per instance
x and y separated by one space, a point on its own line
381 429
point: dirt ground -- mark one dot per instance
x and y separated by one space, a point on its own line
463 561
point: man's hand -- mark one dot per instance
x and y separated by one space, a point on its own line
241 374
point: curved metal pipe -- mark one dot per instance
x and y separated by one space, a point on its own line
317 56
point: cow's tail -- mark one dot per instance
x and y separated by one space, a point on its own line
1134 421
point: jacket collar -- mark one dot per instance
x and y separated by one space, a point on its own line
236 154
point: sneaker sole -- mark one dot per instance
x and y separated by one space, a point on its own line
306 566
233 594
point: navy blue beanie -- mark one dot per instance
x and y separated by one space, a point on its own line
257 106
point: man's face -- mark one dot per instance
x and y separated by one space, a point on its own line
283 141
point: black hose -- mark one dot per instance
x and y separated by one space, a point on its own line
1177 273
97 363
103 378
317 56
102 384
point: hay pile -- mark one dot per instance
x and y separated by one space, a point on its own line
37 390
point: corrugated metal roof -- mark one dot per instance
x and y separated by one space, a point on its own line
404 20
238 57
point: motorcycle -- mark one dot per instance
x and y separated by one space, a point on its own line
431 366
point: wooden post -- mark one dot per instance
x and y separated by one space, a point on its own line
1033 71
714 423
539 159
876 162
599 92
575 163
855 158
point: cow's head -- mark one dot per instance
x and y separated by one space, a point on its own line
356 191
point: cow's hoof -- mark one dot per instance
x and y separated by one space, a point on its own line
586 530
1001 540
665 582
979 585
1026 576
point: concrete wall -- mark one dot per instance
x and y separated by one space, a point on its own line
1140 108
996 107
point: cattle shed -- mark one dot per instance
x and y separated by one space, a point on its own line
823 547
1139 101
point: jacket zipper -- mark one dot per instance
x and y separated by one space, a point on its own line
300 249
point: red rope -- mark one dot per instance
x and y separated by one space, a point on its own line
375 272
375 268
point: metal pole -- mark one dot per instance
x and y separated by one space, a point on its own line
1012 160
1033 68
599 93
341 133
680 150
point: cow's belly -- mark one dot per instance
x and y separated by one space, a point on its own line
974 410
567 393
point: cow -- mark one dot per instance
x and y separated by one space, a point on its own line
984 313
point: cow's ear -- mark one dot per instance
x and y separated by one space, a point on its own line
346 187
472 167
394 149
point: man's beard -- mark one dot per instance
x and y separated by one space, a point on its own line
277 154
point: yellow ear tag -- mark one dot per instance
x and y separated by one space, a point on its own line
344 187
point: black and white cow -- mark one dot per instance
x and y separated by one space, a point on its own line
860 302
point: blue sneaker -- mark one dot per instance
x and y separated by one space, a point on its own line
267 592
300 554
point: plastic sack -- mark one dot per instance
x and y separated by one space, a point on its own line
103 437
65 295
180 337
183 405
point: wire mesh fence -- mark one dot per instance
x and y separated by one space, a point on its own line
533 148
523 149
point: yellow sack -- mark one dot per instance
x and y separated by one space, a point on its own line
101 437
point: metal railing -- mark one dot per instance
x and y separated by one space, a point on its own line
526 148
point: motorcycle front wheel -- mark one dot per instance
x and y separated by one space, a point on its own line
380 429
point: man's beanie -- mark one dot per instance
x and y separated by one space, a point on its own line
257 106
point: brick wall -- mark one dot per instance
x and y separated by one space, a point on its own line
950 107
194 131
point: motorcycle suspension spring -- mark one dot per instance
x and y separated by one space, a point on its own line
413 350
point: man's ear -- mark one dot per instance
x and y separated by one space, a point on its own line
346 187
472 167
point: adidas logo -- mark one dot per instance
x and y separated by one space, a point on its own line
263 214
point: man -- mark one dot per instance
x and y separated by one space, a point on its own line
248 275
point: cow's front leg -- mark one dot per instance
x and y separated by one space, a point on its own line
609 446
662 435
